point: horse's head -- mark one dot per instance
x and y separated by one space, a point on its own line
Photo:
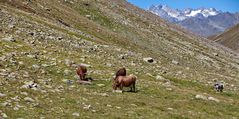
115 83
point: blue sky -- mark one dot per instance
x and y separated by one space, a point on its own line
223 5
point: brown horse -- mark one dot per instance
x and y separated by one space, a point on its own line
81 72
120 72
125 81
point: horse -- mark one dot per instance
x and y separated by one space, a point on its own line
81 72
125 81
120 72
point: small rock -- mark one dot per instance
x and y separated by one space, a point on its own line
104 94
32 56
134 105
59 38
6 104
170 108
158 77
2 95
213 99
28 99
31 33
21 63
108 105
117 107
4 115
101 85
10 39
175 62
35 66
45 65
83 82
215 54
86 65
148 59
76 114
201 97
16 108
87 107
24 93
169 89
117 91
88 16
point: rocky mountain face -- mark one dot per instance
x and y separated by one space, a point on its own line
229 38
43 41
203 21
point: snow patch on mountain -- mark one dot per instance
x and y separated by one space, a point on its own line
179 15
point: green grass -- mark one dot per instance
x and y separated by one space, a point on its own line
153 99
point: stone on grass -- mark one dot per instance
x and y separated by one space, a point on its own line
2 95
83 82
213 99
28 99
4 115
148 59
201 97
87 107
117 91
101 85
175 62
76 114
6 104
9 39
158 77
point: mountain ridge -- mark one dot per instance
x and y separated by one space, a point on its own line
212 20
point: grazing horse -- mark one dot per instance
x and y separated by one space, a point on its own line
81 72
125 81
120 72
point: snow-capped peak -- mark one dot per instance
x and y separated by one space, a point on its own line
179 15
204 12
171 12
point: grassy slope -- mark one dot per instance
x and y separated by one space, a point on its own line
106 31
229 38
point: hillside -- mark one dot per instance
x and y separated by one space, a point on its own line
229 38
43 41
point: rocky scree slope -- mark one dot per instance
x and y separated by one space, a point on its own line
42 42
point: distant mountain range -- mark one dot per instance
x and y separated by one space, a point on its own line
202 21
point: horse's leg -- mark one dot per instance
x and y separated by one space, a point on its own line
121 86
81 77
84 76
